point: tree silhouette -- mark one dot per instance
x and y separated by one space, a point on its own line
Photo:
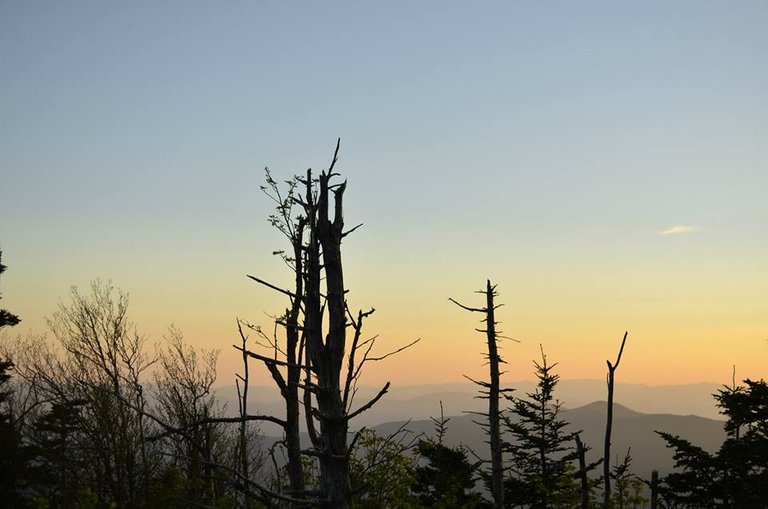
287 373
6 317
587 484
59 471
492 391
542 452
184 399
318 320
12 451
383 470
11 448
737 475
105 361
629 488
610 379
447 479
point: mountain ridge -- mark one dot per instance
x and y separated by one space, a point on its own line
423 401
632 430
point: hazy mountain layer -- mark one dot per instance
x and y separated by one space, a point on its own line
671 408
422 402
630 429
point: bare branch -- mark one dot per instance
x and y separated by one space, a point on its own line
335 158
270 285
351 230
368 405
265 358
462 306
621 350
244 483
393 352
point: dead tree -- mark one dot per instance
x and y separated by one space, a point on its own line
242 396
654 489
491 390
608 424
286 374
584 469
325 352
316 330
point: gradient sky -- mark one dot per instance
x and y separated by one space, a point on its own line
604 162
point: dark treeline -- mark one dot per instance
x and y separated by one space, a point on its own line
93 417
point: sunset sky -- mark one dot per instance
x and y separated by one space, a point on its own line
605 163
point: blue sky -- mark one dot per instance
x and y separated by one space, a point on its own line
543 144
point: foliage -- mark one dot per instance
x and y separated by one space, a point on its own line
77 430
185 402
59 467
11 450
446 478
6 317
104 360
382 471
12 462
629 489
541 450
737 474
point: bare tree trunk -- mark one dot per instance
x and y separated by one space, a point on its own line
316 258
608 424
654 489
243 394
326 359
288 383
313 351
293 371
493 392
582 473
497 468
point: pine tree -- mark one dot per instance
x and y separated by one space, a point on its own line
10 439
447 479
6 318
59 470
542 451
735 476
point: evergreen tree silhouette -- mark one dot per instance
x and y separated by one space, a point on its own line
11 450
59 467
737 475
447 479
542 452
6 317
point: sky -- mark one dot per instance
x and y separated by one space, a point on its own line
604 163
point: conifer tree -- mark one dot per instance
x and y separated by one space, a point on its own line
6 317
735 476
10 439
448 478
541 450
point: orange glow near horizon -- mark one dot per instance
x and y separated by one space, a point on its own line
687 341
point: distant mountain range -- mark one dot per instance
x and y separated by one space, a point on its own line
630 429
423 401
685 410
